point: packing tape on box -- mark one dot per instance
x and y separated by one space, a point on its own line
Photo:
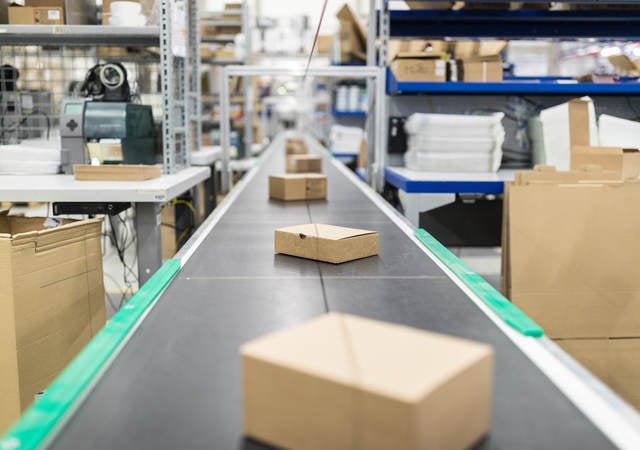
498 303
47 413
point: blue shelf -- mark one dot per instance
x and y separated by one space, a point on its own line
344 154
516 24
349 113
479 183
514 86
361 174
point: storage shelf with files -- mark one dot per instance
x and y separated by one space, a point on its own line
79 35
417 182
514 86
516 24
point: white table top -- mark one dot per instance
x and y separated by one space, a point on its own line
63 188
206 156
417 175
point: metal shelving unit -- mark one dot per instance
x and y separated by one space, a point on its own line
522 24
179 70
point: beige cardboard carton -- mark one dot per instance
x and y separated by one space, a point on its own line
36 15
625 161
615 361
353 37
342 382
326 242
51 303
296 146
562 263
480 68
304 164
420 66
309 186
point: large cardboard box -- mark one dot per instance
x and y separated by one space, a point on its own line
296 146
615 361
304 164
342 382
308 186
419 66
51 303
480 68
326 243
626 161
570 248
353 37
36 15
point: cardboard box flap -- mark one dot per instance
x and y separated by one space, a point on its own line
333 345
419 55
345 14
482 58
324 231
623 63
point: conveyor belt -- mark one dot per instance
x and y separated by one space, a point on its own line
176 384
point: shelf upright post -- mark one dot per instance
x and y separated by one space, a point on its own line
376 169
168 88
248 87
225 132
371 85
193 94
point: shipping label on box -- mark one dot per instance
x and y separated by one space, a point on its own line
419 66
304 164
298 187
342 382
326 243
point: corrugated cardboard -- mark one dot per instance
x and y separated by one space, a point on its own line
615 361
326 242
353 38
429 5
480 68
624 65
466 49
36 15
51 303
623 160
563 265
420 66
342 382
304 164
308 186
115 172
296 147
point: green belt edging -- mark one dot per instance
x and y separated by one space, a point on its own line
506 310
39 420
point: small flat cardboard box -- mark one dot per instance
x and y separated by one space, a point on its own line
615 361
304 164
310 186
623 160
51 303
342 382
480 68
36 15
115 172
326 243
419 66
296 146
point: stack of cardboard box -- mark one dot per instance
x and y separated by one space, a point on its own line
51 303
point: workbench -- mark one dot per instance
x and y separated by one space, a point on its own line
146 196
165 372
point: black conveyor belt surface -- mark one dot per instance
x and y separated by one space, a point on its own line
176 384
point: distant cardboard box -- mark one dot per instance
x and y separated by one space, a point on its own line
625 161
310 186
420 66
346 382
304 164
36 15
296 146
326 243
480 68
51 302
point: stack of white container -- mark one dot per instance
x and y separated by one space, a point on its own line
454 142
346 139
